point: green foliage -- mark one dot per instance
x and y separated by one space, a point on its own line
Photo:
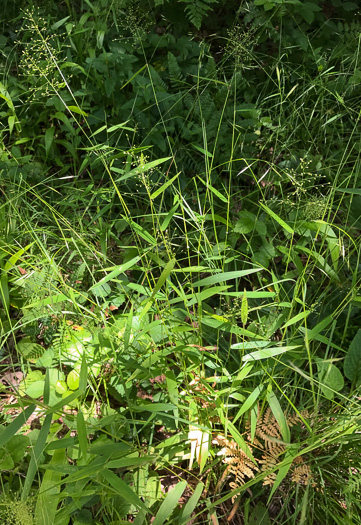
179 258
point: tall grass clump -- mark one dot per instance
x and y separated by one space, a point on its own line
179 259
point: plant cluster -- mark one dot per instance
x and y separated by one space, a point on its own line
179 262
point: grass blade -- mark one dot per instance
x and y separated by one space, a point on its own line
169 503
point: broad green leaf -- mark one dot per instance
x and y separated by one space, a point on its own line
123 489
6 461
17 447
267 353
115 271
164 186
213 190
82 434
225 276
35 389
251 399
49 137
352 364
75 109
246 223
278 219
47 500
46 360
352 191
30 350
169 216
279 415
58 24
61 387
73 380
35 456
101 290
244 308
259 515
330 378
296 318
169 504
191 504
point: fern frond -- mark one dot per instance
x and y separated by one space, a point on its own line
175 72
197 9
239 464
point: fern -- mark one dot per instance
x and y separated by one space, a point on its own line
267 439
239 464
197 9
175 71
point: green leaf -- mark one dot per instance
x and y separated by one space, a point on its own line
13 428
267 353
61 387
278 219
213 190
279 415
162 279
330 378
59 23
49 137
143 168
290 454
73 380
17 447
352 191
115 271
225 276
246 223
75 109
82 434
30 350
118 126
191 504
296 318
259 515
164 186
123 489
169 216
101 290
244 308
169 503
45 361
251 399
203 151
6 461
35 456
352 364
35 389
47 499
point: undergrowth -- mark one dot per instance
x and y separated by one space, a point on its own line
179 256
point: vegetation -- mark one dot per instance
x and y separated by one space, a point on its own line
180 262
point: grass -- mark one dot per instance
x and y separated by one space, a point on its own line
185 348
